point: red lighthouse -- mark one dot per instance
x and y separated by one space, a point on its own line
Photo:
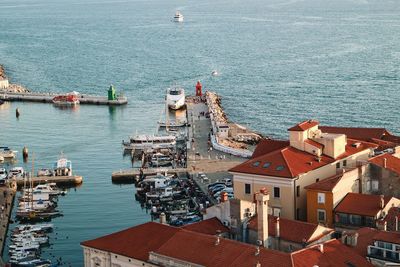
198 89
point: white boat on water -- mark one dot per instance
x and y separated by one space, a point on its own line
150 142
159 159
178 16
175 97
7 153
3 173
16 172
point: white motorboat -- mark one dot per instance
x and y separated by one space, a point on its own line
150 142
44 189
3 173
7 153
63 166
175 97
178 16
159 159
214 73
16 172
46 227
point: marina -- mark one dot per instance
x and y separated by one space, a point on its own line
267 78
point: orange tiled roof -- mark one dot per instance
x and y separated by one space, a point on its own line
268 145
134 242
316 144
326 185
392 162
361 204
201 249
209 226
367 236
290 230
289 162
305 125
334 254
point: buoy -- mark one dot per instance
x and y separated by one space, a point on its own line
25 153
17 113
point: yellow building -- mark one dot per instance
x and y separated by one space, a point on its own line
286 167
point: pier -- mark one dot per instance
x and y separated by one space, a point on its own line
6 202
59 180
48 98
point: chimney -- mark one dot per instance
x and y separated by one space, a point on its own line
321 248
385 163
382 202
217 241
224 197
262 216
354 239
163 218
277 228
396 222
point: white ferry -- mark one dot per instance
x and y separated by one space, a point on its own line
148 142
175 98
178 17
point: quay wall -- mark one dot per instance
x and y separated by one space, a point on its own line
7 196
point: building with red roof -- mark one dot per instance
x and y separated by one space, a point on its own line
154 244
286 168
381 248
359 210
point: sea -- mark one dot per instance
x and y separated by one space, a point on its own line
279 62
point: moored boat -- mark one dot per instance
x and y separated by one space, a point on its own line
178 17
175 97
70 99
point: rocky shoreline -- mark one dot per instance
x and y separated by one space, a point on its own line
14 88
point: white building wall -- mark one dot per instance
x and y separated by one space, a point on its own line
4 84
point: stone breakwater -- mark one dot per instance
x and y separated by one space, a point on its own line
11 87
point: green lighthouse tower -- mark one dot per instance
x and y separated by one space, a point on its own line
111 93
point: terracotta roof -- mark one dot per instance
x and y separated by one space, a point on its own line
313 143
363 134
334 254
326 185
290 230
305 125
268 145
201 249
391 237
383 144
367 236
392 162
289 162
361 204
209 226
135 242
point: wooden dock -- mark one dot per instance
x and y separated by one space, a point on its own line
59 180
128 176
48 98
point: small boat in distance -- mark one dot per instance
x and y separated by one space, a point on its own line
178 16
70 99
175 97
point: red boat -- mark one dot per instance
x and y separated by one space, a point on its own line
66 100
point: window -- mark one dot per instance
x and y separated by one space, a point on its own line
298 190
277 212
317 180
344 163
342 218
256 164
247 189
321 198
266 164
321 216
279 168
355 219
277 192
375 185
338 165
297 214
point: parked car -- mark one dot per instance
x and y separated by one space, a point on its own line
215 184
227 181
228 190
216 189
